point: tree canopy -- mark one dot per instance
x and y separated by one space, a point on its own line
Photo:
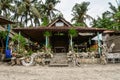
41 12
79 13
34 12
110 19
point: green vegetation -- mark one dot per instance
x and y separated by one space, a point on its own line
73 33
80 14
20 41
42 12
110 19
103 22
29 11
3 35
47 35
6 8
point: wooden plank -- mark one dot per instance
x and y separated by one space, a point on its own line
58 65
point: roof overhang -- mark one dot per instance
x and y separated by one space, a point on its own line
37 33
60 29
85 34
4 21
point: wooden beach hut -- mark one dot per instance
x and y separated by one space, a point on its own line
60 39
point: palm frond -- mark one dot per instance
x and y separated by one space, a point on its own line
35 11
113 8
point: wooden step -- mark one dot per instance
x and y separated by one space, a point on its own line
58 65
59 58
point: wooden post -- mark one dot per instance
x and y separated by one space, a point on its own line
89 41
19 41
7 50
71 42
99 43
7 39
46 43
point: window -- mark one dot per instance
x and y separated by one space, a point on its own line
59 24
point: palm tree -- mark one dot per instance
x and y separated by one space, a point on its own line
113 8
103 22
6 7
37 20
80 13
110 19
115 14
49 9
26 11
73 33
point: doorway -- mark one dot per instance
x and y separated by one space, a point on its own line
59 43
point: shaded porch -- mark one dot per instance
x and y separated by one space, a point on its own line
59 41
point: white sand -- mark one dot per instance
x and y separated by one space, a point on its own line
85 72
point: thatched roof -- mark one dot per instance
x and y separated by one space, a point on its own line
11 32
63 29
4 21
52 27
111 32
37 32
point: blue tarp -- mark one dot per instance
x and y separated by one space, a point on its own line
8 53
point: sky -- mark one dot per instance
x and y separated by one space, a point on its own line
96 7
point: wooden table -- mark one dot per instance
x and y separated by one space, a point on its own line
62 49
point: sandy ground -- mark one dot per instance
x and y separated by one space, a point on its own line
85 72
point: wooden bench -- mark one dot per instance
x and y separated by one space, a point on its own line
113 57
